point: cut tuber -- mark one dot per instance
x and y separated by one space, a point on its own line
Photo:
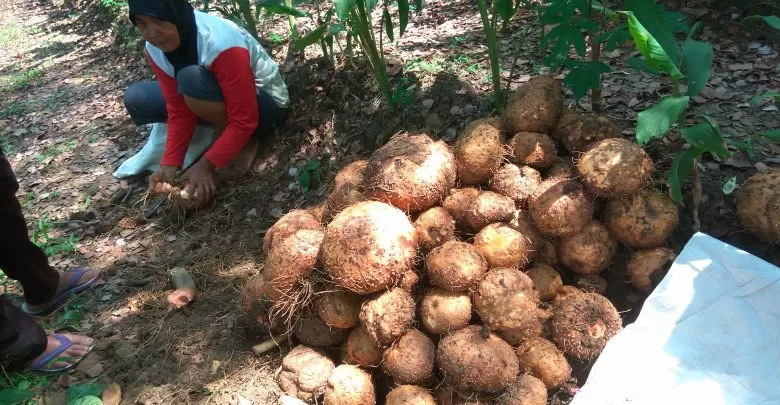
184 288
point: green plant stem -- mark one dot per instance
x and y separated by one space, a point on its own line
693 30
677 93
494 20
512 71
324 49
696 195
246 11
319 22
342 50
381 36
697 189
369 47
541 27
518 50
366 17
595 55
490 33
349 49
293 24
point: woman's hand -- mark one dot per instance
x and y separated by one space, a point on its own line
160 181
201 184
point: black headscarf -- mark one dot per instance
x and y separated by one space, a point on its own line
179 12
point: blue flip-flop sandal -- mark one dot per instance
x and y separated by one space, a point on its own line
65 344
71 288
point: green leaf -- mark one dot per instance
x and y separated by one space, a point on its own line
773 134
278 7
329 14
657 120
650 48
585 24
82 390
745 146
768 94
311 37
641 64
329 42
706 137
682 164
75 315
14 396
566 9
558 55
551 19
286 10
504 8
615 37
304 180
730 185
557 35
563 36
268 3
578 40
675 20
88 400
370 4
651 16
418 5
584 76
344 7
722 151
335 29
697 62
388 24
772 20
403 16
608 12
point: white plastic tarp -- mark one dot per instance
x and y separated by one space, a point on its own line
708 334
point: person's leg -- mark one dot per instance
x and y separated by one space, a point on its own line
21 339
145 103
204 97
22 260
23 343
202 93
271 115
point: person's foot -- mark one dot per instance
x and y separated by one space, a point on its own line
70 282
244 160
63 351
67 277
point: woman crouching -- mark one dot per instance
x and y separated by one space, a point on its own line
208 70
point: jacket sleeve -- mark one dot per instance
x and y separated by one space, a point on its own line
237 81
181 120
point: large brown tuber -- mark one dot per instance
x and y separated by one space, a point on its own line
411 171
475 359
368 246
388 316
479 150
758 205
305 373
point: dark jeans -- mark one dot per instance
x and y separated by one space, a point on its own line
146 105
21 339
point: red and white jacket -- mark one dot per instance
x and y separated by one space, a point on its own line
242 68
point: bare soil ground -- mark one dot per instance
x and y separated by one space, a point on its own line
64 129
